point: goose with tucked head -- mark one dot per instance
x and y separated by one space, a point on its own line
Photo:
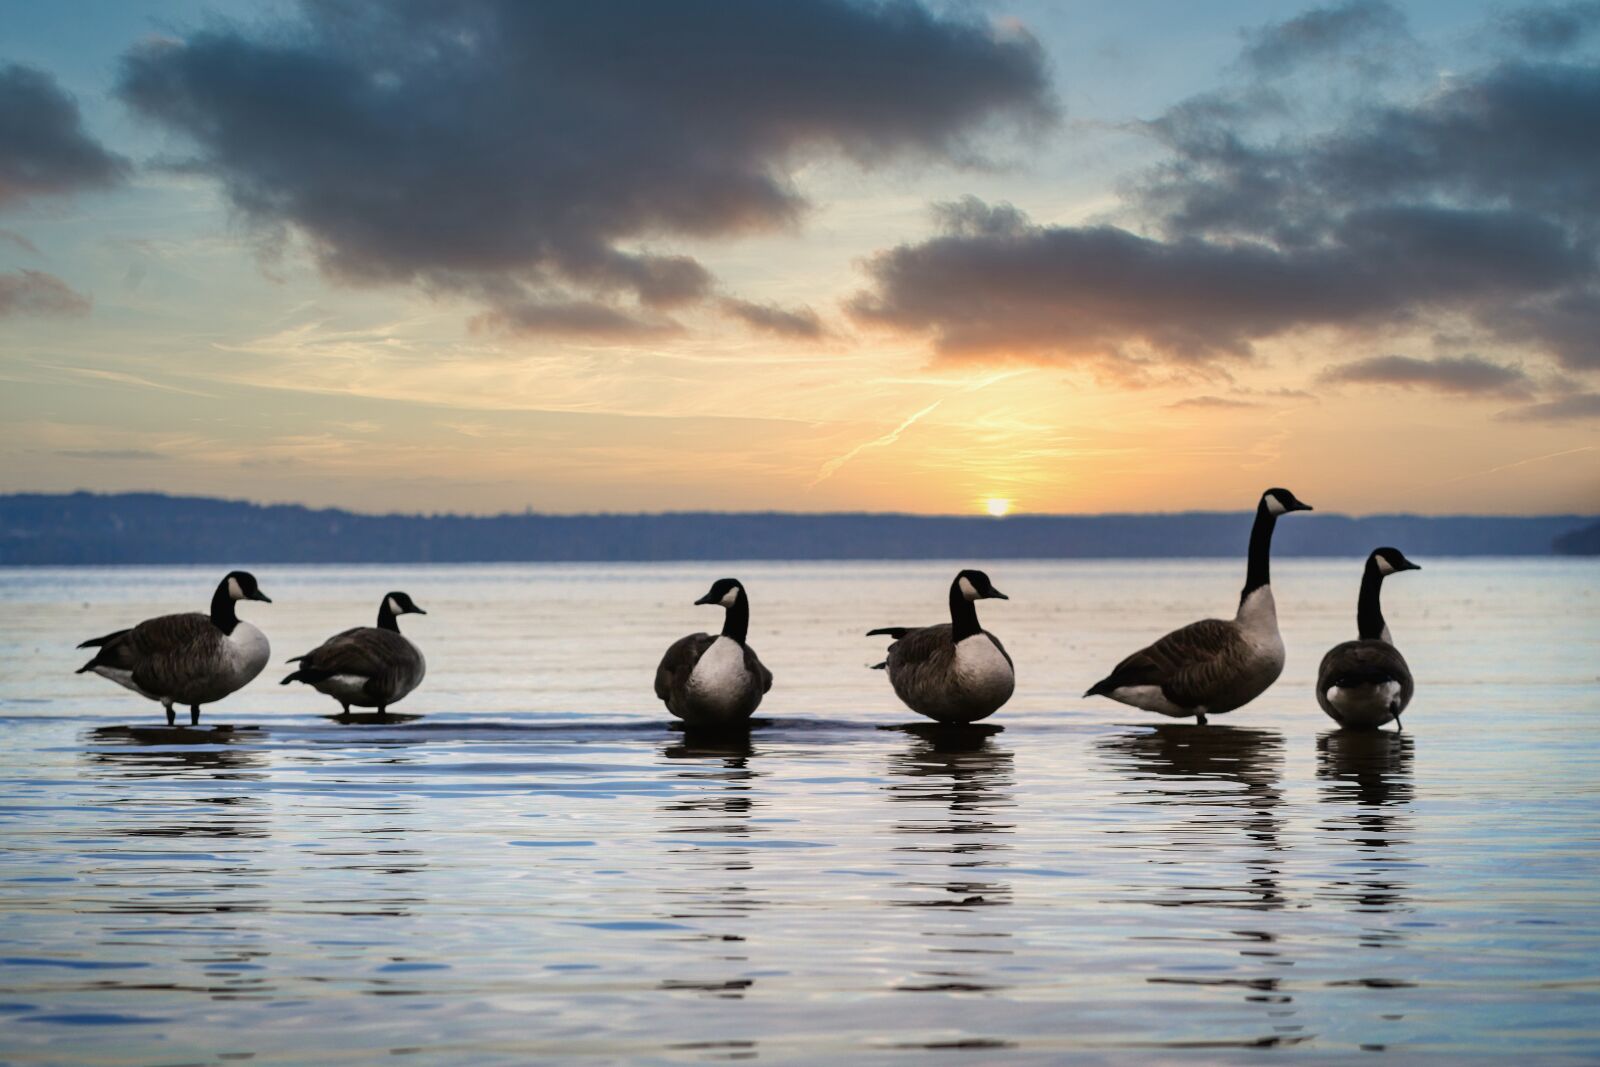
368 666
193 658
1365 683
956 671
715 682
1214 665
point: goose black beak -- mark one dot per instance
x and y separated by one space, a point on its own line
705 600
259 595
1411 566
996 594
417 611
1301 505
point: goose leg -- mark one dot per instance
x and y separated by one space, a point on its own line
172 718
194 714
1200 718
345 714
1397 727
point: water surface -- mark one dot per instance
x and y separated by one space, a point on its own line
539 868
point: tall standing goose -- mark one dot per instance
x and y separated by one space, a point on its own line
368 666
1365 683
192 658
1214 665
955 671
715 682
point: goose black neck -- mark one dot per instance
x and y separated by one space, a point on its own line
737 622
386 619
222 613
963 614
1369 615
1260 572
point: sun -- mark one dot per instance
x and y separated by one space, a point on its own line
997 506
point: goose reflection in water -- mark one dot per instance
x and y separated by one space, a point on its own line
180 832
1223 787
953 788
1365 779
716 804
1209 827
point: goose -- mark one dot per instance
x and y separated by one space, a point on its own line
190 658
368 666
1214 665
956 671
1366 683
713 682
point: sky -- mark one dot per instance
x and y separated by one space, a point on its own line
805 256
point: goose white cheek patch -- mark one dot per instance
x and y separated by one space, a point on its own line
1384 566
234 590
729 597
967 590
1275 506
394 609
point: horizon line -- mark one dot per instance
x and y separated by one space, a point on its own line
529 512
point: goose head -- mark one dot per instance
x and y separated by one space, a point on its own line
241 585
399 603
1389 560
1281 502
725 592
975 585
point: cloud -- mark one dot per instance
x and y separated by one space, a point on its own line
489 145
32 292
798 323
570 318
1069 294
13 237
44 149
1470 202
112 454
1362 29
1213 403
1563 409
1446 374
1552 28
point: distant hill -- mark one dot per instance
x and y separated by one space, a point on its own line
1584 541
90 528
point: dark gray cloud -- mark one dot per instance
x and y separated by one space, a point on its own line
1552 28
1471 202
1446 374
571 318
44 149
474 145
1563 409
1065 293
799 323
1361 30
33 292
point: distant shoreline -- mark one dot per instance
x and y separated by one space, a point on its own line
89 529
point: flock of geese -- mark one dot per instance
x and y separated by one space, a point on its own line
954 672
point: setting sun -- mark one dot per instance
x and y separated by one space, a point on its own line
997 506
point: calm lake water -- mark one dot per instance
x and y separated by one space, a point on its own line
540 869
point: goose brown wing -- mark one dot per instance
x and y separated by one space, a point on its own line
753 664
1364 663
927 649
1190 664
676 666
171 650
384 658
365 651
